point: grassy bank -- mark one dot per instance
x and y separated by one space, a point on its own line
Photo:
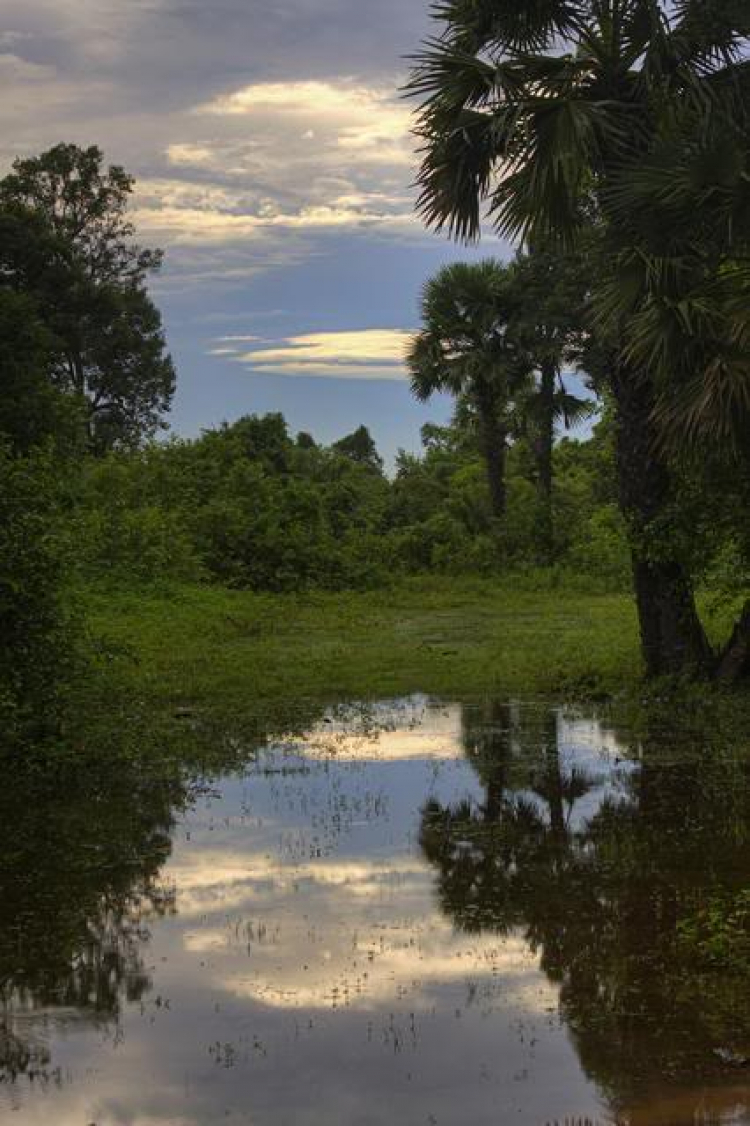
228 650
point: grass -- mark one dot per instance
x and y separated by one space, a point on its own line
231 651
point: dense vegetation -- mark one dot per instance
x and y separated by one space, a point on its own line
625 181
251 506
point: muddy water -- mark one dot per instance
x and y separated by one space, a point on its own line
417 913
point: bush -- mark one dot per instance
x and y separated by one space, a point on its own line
600 548
36 636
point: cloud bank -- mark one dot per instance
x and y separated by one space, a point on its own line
360 354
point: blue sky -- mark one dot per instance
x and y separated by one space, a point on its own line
274 163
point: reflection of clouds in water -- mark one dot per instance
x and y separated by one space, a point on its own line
406 964
415 731
243 880
309 952
292 931
306 948
421 729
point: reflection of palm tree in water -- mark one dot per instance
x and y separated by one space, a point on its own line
506 862
606 900
80 854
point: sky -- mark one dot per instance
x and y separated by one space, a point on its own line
274 163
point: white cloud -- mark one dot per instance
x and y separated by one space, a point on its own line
12 38
298 157
252 179
343 103
189 155
373 353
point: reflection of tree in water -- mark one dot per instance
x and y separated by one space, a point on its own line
607 899
80 854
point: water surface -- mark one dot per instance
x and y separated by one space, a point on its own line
416 913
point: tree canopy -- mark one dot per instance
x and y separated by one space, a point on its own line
67 245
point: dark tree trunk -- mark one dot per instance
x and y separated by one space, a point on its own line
672 638
494 443
495 452
546 438
553 780
492 747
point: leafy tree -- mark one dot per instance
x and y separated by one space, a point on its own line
244 504
466 348
32 411
68 245
569 100
85 206
360 447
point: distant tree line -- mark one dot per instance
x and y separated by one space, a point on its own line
251 505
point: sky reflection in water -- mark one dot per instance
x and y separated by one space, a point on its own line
342 938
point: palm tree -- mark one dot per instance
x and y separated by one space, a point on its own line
550 326
466 348
529 109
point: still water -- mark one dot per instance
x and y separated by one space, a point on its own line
415 913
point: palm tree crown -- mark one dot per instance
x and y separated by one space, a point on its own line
528 107
467 348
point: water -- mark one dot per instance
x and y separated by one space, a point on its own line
417 913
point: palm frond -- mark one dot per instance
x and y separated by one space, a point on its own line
533 25
706 37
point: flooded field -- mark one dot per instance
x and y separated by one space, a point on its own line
418 913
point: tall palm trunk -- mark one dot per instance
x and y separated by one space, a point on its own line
494 440
672 638
497 752
545 444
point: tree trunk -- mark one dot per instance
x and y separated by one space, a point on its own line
554 790
546 438
672 638
495 454
494 442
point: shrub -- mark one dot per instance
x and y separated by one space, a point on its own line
36 636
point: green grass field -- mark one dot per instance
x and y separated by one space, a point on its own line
228 650
195 674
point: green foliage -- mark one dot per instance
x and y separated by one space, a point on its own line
32 410
600 548
359 446
245 505
249 506
68 248
35 627
718 935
